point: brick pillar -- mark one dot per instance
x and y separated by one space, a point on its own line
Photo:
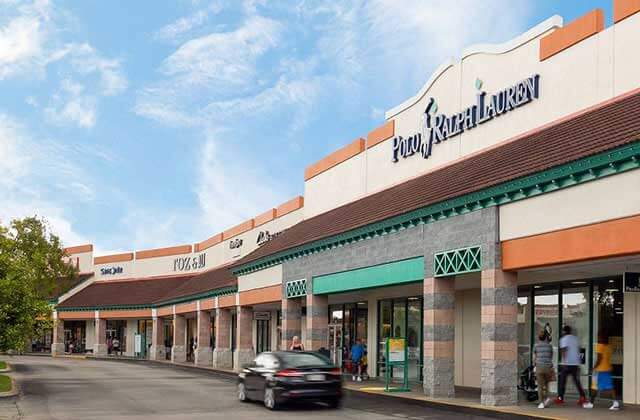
157 350
499 335
179 349
439 331
222 357
57 345
203 355
291 320
244 334
100 343
317 322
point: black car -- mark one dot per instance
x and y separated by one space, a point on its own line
280 377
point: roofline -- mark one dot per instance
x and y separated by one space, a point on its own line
576 172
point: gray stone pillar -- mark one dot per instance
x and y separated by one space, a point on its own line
57 344
439 337
317 322
100 344
203 355
222 357
499 335
291 320
244 349
157 350
179 349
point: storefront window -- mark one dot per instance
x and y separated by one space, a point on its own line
524 330
575 313
75 336
347 323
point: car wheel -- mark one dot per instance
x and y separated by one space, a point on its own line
270 399
334 403
242 392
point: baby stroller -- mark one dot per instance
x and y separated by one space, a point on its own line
528 384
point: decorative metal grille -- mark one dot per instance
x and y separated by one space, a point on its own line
296 288
457 261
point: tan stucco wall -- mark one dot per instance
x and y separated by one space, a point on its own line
263 278
467 338
82 260
596 201
631 349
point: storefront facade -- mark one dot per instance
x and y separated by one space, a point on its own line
499 200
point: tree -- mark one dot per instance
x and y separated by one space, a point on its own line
32 270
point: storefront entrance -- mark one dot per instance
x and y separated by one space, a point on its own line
116 337
587 306
75 335
347 323
401 318
145 330
263 335
168 337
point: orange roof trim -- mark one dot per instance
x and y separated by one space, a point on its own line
238 229
78 249
380 134
571 34
265 217
106 259
352 149
622 9
163 252
290 206
208 243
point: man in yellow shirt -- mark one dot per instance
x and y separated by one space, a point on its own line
602 373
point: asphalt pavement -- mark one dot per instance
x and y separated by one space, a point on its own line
63 388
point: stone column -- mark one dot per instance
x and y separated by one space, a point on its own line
291 320
499 338
244 331
439 337
57 344
157 351
317 321
100 343
222 357
179 349
203 355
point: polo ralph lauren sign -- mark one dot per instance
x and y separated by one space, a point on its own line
438 128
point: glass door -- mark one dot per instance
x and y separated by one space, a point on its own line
414 338
547 316
576 313
263 336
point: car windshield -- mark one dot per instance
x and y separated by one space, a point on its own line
301 360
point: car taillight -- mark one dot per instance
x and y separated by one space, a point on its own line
336 371
289 373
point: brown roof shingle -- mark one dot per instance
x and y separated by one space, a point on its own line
216 278
596 130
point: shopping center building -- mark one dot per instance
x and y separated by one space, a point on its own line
503 198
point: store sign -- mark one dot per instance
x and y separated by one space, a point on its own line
632 282
111 271
396 349
438 128
236 243
264 237
189 263
262 316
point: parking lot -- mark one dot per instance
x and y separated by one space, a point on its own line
64 388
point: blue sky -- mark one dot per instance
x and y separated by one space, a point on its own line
136 124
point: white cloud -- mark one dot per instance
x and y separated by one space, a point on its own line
34 174
71 105
183 25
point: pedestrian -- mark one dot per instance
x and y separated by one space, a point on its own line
116 345
357 352
602 373
296 345
570 365
543 361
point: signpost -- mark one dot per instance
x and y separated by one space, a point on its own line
631 282
396 356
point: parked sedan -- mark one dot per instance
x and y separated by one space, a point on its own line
280 377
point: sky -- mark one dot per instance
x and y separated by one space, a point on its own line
143 124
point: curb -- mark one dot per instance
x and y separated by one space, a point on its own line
7 368
13 392
215 372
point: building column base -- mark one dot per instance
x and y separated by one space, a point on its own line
100 350
203 356
157 353
242 357
438 378
57 349
497 382
222 358
178 354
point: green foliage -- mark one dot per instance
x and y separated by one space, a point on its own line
32 270
3 365
5 383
